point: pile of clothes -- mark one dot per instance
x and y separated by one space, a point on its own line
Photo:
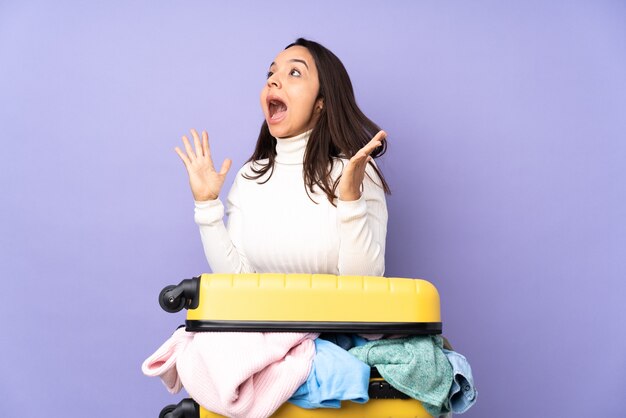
251 374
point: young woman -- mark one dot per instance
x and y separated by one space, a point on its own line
310 198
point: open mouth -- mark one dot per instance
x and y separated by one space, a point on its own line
277 109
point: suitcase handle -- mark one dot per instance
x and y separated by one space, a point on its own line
381 389
174 298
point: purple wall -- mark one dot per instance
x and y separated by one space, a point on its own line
507 161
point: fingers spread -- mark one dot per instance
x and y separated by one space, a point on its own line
380 136
225 166
205 143
196 142
182 156
374 143
190 153
371 146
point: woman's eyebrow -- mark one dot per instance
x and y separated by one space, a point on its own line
299 60
293 60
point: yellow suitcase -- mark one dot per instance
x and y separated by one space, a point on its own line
309 303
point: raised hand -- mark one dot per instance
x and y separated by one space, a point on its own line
354 172
204 180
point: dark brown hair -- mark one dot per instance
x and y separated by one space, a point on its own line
340 132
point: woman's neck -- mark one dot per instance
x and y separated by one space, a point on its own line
291 150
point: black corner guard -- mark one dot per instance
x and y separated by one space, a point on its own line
186 408
174 298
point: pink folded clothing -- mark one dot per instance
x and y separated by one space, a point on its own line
236 374
243 374
163 362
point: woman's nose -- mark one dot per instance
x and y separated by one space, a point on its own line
273 81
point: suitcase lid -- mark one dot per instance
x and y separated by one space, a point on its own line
313 302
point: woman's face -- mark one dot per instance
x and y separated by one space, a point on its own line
288 98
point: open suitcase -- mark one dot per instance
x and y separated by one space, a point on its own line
310 303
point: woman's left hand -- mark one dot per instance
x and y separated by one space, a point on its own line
354 172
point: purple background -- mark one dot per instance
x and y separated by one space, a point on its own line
507 160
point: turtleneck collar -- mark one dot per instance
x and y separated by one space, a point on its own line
291 150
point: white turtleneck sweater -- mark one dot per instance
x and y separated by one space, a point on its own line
274 227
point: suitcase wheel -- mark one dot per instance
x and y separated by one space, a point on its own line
186 408
170 302
174 298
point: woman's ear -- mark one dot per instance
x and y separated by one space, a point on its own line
319 105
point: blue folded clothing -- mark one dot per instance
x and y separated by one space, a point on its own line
462 393
335 376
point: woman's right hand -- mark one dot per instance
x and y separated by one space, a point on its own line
204 180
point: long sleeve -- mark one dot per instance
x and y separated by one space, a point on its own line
275 226
363 229
222 244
